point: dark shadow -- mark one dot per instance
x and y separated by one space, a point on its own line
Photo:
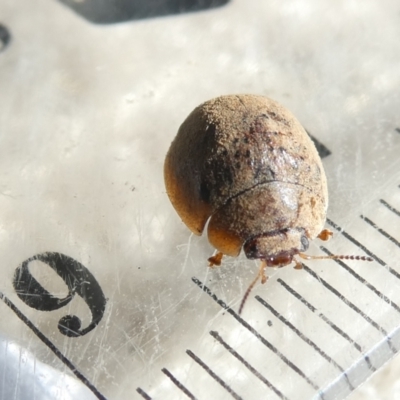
323 151
5 37
114 11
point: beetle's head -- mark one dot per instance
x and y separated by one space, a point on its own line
277 248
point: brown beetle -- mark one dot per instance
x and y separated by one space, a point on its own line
245 163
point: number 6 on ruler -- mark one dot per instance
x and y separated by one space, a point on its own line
79 281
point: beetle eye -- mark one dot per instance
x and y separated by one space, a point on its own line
251 249
304 243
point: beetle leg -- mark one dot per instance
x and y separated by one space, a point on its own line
261 273
298 263
325 235
215 259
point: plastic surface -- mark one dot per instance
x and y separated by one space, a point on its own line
87 115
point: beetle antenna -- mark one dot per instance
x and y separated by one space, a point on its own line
335 257
249 289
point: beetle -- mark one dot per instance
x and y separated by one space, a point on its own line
244 164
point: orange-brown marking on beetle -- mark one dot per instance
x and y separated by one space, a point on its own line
246 165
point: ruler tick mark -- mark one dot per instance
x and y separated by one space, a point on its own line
178 384
255 333
387 205
363 248
352 306
305 339
381 231
216 336
327 321
143 393
213 375
51 347
364 282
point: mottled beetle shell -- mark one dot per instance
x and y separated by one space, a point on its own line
247 163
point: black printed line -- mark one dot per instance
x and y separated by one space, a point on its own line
392 209
327 321
298 296
363 248
255 333
364 282
52 347
381 231
178 384
247 365
143 393
305 339
299 334
352 306
214 375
